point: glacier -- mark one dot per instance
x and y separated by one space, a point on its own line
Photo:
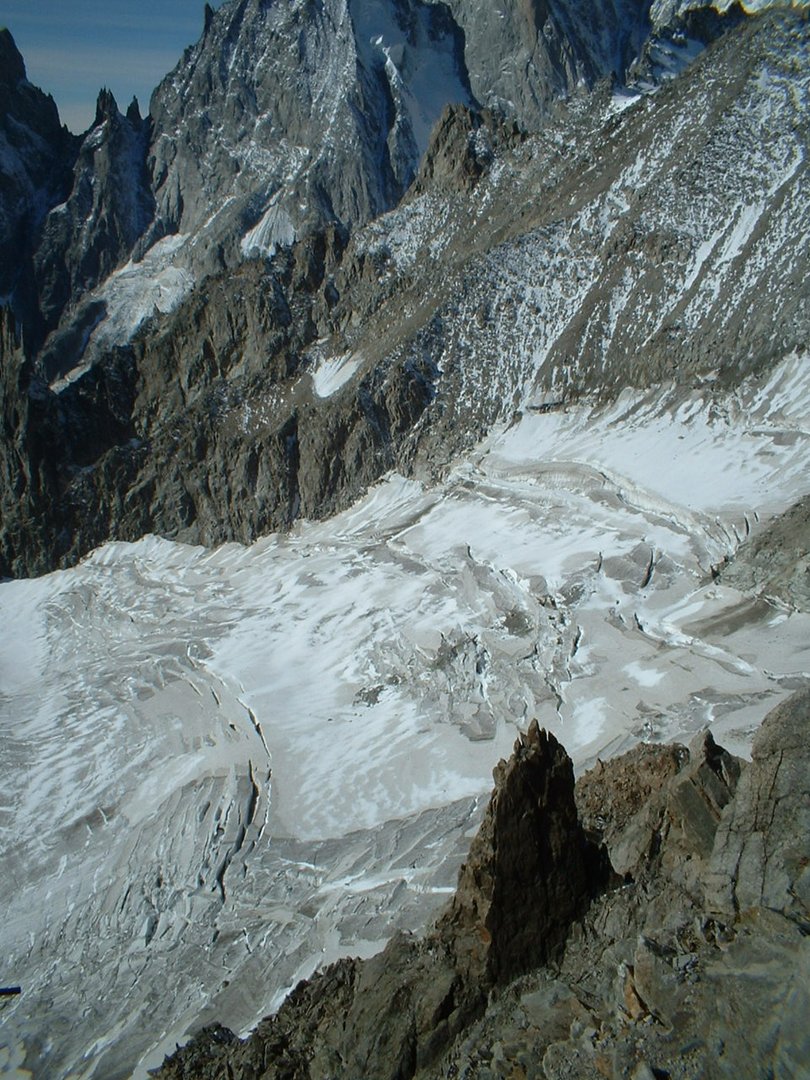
223 768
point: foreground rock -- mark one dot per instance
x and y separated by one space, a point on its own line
692 963
398 1013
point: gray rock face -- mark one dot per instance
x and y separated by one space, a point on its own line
658 809
777 562
553 48
50 446
691 970
301 113
760 854
109 207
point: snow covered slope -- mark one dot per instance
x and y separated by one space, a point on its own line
221 768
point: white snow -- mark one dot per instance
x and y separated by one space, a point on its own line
275 229
704 251
744 225
646 675
134 293
622 100
670 58
333 372
422 72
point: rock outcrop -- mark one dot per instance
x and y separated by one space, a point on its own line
776 563
691 963
697 966
554 48
760 855
88 235
531 872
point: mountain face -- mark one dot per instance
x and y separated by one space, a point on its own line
523 57
85 238
492 322
36 158
612 248
301 113
287 117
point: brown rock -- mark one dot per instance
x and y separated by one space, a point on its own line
611 795
531 869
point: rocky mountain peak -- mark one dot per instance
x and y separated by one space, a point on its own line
328 108
108 208
26 105
531 869
134 113
36 156
106 107
12 65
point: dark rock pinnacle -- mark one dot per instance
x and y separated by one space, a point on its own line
531 870
12 66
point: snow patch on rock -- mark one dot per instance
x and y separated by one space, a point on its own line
275 229
333 372
154 284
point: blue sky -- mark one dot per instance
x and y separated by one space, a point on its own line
71 50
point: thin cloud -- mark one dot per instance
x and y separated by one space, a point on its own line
127 63
71 51
99 18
